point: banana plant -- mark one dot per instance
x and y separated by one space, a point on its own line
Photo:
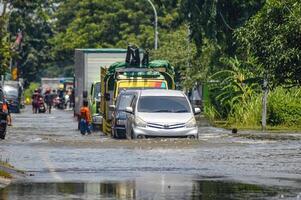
235 85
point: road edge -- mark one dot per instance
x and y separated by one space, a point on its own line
14 173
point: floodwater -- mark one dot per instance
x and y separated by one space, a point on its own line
62 164
150 187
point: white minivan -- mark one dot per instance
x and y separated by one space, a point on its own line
163 113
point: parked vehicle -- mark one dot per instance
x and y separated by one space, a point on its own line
166 113
56 83
3 117
14 95
123 100
87 77
94 105
132 74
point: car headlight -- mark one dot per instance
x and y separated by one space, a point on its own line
191 123
139 122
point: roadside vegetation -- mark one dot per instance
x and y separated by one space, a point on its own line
29 91
3 173
229 47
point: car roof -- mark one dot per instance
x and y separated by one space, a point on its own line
162 92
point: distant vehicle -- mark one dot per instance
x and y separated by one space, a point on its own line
56 83
164 113
13 98
123 100
94 104
87 77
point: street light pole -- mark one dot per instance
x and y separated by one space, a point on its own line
156 23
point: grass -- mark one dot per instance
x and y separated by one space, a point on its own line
5 164
5 174
272 129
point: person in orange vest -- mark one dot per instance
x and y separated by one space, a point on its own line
6 110
85 119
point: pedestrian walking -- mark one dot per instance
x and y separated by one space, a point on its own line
85 119
5 109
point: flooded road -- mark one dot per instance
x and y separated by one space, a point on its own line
63 164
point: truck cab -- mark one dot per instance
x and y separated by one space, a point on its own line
94 103
132 75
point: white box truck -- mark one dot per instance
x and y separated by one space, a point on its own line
87 77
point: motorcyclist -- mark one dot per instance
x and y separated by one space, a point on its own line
35 98
48 100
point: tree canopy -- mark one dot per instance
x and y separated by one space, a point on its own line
217 19
273 36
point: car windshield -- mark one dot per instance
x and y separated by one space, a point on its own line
124 101
168 104
97 91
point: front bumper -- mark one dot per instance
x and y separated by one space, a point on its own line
156 132
97 119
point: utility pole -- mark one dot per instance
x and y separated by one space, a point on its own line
156 23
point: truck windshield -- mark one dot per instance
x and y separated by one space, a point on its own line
168 104
124 101
97 91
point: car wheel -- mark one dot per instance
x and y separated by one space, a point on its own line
191 137
113 135
140 137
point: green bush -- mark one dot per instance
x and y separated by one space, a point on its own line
210 112
246 114
284 107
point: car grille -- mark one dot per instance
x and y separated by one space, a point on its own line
166 126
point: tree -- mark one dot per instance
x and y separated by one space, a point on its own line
217 20
32 18
107 24
5 52
273 36
182 54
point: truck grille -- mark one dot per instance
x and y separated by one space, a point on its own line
166 126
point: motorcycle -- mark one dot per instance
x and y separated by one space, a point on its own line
41 104
61 103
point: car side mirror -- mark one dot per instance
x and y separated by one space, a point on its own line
112 107
129 110
197 111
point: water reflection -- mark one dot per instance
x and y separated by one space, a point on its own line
160 187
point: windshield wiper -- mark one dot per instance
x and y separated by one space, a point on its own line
162 111
181 111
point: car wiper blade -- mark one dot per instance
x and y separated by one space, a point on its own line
181 111
162 111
